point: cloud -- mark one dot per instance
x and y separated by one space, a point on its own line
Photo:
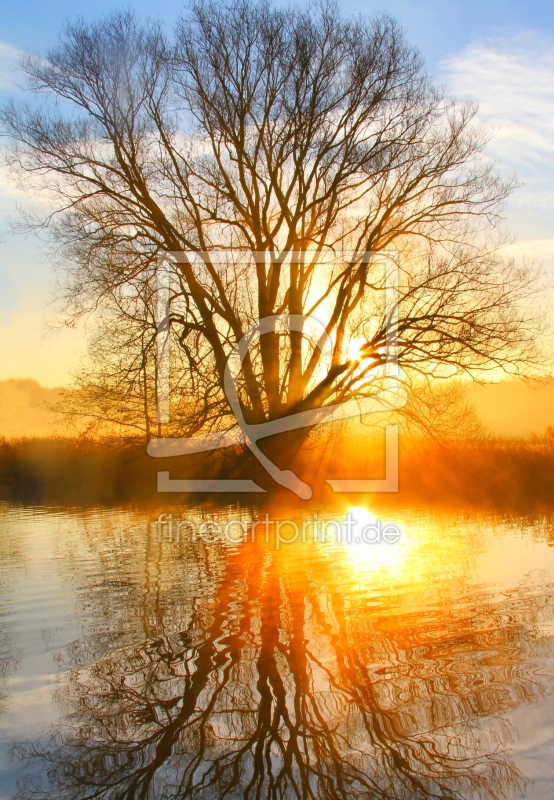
536 248
512 79
9 58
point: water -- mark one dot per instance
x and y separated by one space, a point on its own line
211 667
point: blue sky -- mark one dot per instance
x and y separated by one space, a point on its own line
438 27
498 52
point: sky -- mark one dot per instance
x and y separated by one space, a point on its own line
497 52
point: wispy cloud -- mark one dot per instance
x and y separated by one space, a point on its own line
9 57
536 249
513 81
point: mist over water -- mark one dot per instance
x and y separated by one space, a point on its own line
134 665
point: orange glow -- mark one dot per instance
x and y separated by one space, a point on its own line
354 348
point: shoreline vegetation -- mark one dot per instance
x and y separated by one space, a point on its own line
495 473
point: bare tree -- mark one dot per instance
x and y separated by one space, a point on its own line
274 150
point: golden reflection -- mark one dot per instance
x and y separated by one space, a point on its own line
380 553
317 670
368 551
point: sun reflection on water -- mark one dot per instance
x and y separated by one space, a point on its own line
421 556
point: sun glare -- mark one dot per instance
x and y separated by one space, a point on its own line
381 548
354 348
372 543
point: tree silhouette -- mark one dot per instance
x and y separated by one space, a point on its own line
279 153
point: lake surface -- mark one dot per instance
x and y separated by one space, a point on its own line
140 660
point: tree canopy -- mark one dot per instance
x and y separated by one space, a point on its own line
292 159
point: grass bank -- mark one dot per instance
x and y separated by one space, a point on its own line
499 473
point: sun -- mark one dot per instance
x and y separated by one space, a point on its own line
355 348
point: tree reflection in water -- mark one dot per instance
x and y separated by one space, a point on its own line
13 558
300 674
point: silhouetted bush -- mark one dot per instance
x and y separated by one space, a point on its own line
500 473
